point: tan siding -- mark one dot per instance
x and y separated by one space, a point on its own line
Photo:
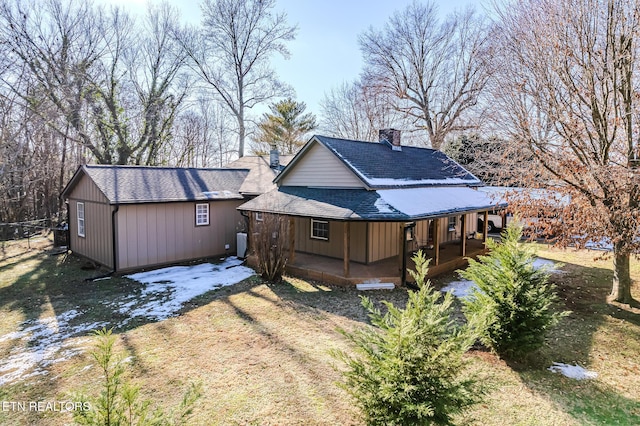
97 244
332 247
383 240
320 167
85 189
422 232
152 234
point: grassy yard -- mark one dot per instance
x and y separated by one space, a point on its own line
262 351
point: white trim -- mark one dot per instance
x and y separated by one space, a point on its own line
202 216
259 217
316 237
80 218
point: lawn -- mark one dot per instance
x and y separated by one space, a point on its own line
261 351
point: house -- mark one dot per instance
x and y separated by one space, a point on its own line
262 170
357 210
131 217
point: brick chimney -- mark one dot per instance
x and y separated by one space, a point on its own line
274 158
390 137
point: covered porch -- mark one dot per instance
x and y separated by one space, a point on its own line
332 270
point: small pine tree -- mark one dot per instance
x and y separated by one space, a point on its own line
409 369
119 402
511 310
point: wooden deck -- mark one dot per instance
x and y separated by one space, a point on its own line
330 270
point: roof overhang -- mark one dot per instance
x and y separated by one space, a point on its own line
381 205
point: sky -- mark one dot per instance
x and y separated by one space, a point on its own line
325 53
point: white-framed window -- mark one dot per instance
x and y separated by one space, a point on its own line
320 229
452 223
80 215
202 214
259 217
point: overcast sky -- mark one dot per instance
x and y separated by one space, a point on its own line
325 53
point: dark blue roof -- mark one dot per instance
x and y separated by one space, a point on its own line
379 205
381 167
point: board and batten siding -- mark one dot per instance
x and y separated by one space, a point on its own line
384 240
97 243
319 167
161 233
333 246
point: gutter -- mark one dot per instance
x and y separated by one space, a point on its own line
113 237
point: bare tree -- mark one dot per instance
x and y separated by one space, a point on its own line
567 90
355 111
231 54
435 69
155 67
111 84
201 137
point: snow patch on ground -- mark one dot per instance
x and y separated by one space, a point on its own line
168 288
572 371
37 344
461 289
550 265
41 343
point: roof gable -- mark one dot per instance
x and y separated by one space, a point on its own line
261 175
378 166
139 184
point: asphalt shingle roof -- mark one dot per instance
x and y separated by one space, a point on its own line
361 204
139 184
260 178
381 167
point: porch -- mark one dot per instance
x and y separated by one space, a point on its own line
331 270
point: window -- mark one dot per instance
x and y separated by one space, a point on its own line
259 217
202 214
80 214
452 223
319 229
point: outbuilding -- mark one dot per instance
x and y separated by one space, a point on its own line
132 217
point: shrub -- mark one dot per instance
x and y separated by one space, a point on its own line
269 242
409 369
119 402
511 310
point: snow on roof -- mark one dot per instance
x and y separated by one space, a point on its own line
429 201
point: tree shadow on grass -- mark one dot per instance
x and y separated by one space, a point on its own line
592 332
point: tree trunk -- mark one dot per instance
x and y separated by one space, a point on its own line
621 290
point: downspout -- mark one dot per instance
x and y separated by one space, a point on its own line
113 237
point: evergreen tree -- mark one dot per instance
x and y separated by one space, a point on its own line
409 368
286 126
511 310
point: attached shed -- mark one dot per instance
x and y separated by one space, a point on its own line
130 217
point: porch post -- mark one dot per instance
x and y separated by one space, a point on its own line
486 226
463 235
346 248
436 240
292 239
400 248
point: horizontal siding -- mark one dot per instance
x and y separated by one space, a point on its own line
319 167
154 234
97 244
334 246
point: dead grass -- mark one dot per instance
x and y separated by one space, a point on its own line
262 351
